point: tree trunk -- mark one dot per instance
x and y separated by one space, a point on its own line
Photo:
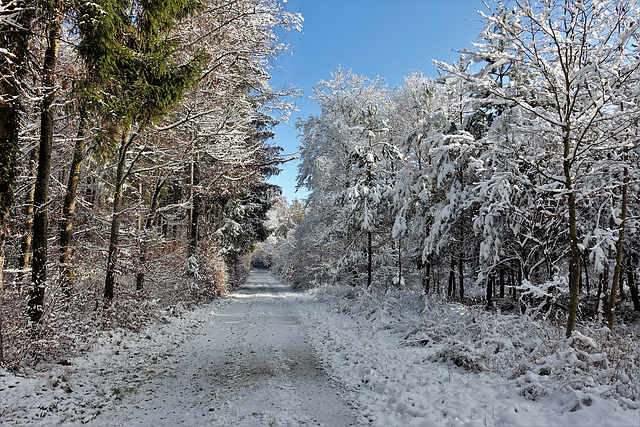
69 206
41 210
619 249
576 253
112 258
452 278
369 259
14 39
426 277
586 272
489 290
27 228
502 283
151 217
633 286
148 224
460 276
195 208
399 262
3 237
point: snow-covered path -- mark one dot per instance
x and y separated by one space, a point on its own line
267 356
249 363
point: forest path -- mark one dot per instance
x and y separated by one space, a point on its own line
248 364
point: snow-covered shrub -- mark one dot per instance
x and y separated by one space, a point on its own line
531 351
540 300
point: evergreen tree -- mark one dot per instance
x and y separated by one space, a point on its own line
139 75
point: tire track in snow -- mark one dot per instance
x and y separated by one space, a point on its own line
249 364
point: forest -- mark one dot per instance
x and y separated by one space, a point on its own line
486 218
134 153
467 253
511 180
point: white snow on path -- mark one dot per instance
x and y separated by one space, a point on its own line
394 384
248 364
239 361
267 356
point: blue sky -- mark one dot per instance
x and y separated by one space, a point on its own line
389 38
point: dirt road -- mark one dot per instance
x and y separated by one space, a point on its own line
248 364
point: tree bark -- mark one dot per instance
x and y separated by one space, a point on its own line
452 278
69 206
426 278
151 218
148 224
369 259
27 228
112 258
195 208
3 237
586 272
633 286
460 276
399 261
489 290
41 210
619 249
576 253
15 39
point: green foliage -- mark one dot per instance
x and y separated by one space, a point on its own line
135 73
245 222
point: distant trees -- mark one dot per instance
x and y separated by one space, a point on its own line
515 167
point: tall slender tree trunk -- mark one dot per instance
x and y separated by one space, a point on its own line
399 261
633 286
112 257
195 208
461 275
369 259
576 253
452 278
153 206
41 210
619 249
69 206
426 277
27 227
15 39
3 238
585 267
148 224
489 290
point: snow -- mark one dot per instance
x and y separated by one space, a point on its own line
240 361
336 356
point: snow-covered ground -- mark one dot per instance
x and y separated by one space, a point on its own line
240 361
269 356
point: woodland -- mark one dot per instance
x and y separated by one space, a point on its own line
134 155
509 182
497 204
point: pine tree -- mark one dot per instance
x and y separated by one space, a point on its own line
138 68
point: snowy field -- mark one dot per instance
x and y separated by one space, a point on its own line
269 356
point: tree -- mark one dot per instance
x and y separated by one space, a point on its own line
578 59
15 23
55 13
141 77
341 166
